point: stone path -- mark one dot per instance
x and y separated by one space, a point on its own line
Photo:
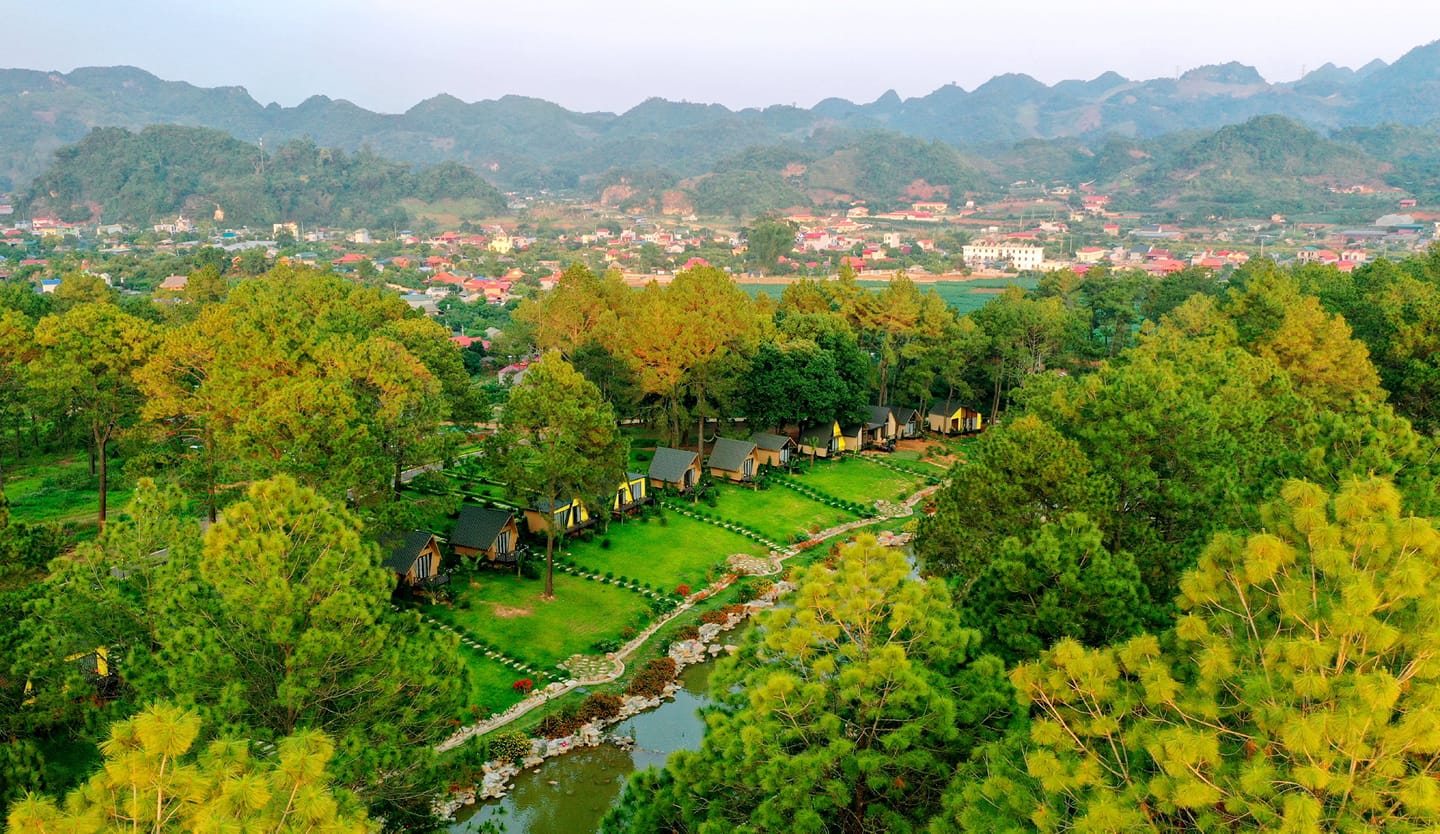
587 668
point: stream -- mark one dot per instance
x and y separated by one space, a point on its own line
588 781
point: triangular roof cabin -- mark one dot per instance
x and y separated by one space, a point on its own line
631 493
414 557
677 468
484 532
733 459
773 449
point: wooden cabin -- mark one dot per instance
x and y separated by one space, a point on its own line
907 423
821 440
567 516
734 460
882 427
487 534
675 468
854 436
774 450
415 558
954 419
631 494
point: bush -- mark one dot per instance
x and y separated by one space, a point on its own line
682 590
650 681
604 646
627 633
600 706
605 543
663 605
688 632
560 724
509 746
523 686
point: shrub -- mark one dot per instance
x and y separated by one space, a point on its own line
715 617
688 632
627 633
523 686
682 590
605 543
509 746
662 605
650 681
560 724
601 706
607 645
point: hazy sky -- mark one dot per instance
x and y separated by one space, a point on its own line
389 54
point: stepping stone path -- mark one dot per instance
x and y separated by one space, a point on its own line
748 565
584 667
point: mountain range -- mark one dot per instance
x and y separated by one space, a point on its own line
1382 117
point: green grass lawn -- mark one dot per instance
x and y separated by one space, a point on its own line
509 612
681 550
59 489
491 682
858 479
777 512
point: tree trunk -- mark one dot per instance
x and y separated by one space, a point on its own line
995 403
700 442
91 450
550 558
102 442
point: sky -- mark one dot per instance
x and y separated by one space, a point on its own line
387 55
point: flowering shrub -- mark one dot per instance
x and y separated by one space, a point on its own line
509 746
650 681
523 686
600 705
682 590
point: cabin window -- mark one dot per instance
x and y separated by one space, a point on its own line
784 456
502 542
749 467
689 478
422 566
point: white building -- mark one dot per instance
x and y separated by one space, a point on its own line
1019 255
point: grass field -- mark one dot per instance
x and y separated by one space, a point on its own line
58 488
509 612
491 683
858 479
681 550
778 513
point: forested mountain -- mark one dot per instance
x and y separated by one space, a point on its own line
534 143
115 175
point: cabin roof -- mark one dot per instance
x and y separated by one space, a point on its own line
730 454
478 527
771 442
821 432
669 465
880 415
405 549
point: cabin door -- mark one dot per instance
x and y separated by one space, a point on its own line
422 566
748 468
502 543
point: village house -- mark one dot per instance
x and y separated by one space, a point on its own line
734 460
882 426
675 468
484 533
1020 255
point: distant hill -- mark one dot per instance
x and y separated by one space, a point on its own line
527 142
118 176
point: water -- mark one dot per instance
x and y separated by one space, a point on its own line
588 781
